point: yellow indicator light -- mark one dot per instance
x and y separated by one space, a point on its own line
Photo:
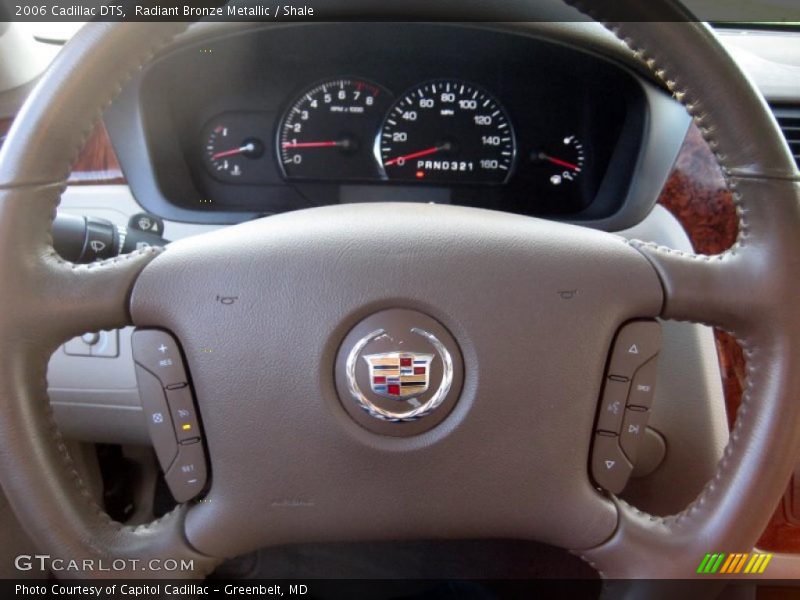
186 427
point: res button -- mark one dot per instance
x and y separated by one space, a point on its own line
158 352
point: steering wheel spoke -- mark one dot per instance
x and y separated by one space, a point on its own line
91 297
63 299
738 290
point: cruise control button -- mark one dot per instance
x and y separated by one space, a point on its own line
643 386
610 468
187 476
181 406
636 343
156 413
612 407
158 352
633 430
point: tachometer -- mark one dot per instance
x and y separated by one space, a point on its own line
327 133
447 132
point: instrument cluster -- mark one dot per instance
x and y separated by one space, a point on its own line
353 112
443 132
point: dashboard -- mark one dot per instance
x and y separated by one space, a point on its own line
275 119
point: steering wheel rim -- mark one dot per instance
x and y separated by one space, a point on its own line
53 300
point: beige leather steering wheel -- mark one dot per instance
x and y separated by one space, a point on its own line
508 461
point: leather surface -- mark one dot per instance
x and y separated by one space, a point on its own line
750 290
748 293
290 465
46 301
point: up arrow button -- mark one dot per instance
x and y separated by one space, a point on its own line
636 343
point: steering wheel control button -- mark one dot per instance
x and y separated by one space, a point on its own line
157 415
627 396
643 386
612 407
399 372
158 352
636 343
186 477
168 403
181 406
633 429
610 468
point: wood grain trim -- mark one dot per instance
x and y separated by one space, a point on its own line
97 163
696 194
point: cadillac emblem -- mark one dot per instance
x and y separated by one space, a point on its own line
399 375
399 372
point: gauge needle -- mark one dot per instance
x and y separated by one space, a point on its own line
331 144
421 153
559 162
234 151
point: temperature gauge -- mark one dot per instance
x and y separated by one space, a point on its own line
231 149
563 162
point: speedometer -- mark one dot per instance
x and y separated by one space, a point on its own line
447 132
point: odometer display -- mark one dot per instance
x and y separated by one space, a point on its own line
447 132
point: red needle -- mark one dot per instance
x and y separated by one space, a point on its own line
310 144
419 154
231 152
219 155
559 162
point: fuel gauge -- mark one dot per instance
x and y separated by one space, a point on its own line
563 162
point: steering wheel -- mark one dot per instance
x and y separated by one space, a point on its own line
288 463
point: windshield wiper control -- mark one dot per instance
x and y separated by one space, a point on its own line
87 239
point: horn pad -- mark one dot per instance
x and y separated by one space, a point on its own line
399 372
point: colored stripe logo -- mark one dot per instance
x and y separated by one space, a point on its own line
731 564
